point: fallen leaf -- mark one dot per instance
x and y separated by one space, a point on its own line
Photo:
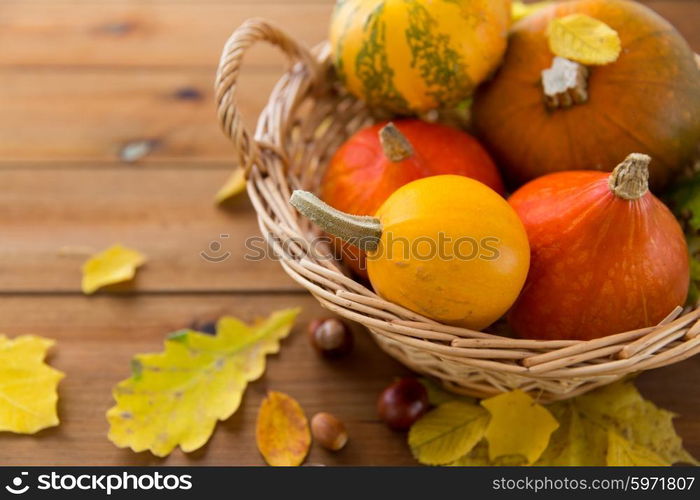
613 425
447 433
114 265
518 426
620 407
622 452
479 457
233 186
583 39
28 386
577 442
282 431
437 395
519 10
177 396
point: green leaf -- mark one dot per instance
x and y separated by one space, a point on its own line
447 433
177 396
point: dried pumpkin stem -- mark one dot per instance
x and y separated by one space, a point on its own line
565 84
630 179
395 145
361 231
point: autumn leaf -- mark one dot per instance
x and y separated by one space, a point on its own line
583 39
28 386
233 186
282 431
447 432
518 426
613 425
622 452
684 200
175 398
437 395
519 10
114 265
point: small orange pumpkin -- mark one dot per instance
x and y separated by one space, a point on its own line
646 101
379 159
607 255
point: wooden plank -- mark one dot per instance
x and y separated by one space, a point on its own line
90 115
143 34
51 219
96 338
167 34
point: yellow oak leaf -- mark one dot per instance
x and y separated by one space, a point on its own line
175 398
583 39
282 431
28 386
114 265
447 433
622 452
520 10
233 186
518 426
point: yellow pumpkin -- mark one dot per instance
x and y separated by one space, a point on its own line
419 55
446 247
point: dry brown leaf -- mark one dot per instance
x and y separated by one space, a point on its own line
282 432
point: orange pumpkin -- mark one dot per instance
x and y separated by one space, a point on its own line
646 101
607 255
379 159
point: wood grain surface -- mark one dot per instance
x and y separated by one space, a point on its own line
80 81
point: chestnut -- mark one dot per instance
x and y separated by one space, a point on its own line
402 403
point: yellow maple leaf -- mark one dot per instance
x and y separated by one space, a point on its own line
622 452
519 10
233 186
282 431
28 386
114 265
583 39
177 396
518 426
447 433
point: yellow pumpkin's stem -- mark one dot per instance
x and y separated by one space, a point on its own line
395 145
630 179
565 84
361 231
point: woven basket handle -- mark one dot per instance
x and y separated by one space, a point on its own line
247 35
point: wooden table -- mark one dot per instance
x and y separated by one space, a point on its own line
80 81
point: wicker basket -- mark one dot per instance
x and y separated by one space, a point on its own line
307 118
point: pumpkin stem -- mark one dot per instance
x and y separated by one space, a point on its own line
565 84
361 231
395 145
630 179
